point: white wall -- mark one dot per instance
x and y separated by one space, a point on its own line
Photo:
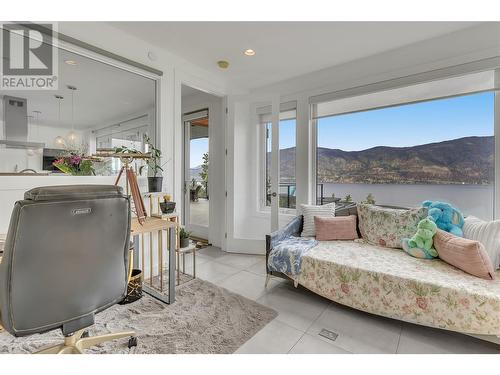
250 225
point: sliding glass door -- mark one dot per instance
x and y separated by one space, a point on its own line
196 162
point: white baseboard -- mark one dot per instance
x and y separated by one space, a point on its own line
244 246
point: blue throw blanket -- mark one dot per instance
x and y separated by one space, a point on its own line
286 256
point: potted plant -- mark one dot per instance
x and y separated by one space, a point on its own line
184 237
335 199
155 181
348 198
167 207
370 199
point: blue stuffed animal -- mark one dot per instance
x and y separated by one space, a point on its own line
446 217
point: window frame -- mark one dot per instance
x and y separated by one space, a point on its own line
262 113
495 89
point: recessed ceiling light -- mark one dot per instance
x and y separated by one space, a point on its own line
249 52
71 62
223 64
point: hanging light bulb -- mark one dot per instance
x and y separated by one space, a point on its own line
37 114
59 140
72 135
30 151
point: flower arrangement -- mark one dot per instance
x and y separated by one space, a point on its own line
76 164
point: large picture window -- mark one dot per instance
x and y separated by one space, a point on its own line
441 149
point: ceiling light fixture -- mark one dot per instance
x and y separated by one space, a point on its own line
59 140
71 62
249 52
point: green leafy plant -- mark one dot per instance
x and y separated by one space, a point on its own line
183 233
370 199
348 198
204 171
126 150
154 163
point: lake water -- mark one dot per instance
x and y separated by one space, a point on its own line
474 200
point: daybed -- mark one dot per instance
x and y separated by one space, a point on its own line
390 283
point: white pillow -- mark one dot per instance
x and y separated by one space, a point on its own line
486 232
309 211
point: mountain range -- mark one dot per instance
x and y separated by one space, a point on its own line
195 173
468 160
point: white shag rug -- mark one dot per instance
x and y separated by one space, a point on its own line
204 319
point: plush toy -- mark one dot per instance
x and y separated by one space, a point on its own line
426 229
418 252
446 217
420 245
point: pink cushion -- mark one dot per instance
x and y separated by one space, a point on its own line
335 228
468 255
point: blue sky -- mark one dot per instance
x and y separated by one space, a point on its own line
198 148
410 125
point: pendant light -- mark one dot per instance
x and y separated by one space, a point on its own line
37 114
59 140
30 151
72 135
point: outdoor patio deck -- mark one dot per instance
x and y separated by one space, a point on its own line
199 212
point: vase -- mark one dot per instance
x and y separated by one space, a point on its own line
155 184
167 207
134 287
184 242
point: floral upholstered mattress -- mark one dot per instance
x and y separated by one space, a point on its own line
388 282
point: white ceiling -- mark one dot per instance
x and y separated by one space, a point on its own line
105 94
283 49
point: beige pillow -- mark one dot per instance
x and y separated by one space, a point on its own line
335 228
309 212
468 255
486 232
387 227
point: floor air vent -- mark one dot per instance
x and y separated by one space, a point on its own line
329 334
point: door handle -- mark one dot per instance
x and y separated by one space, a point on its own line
274 194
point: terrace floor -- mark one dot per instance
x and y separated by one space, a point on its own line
199 213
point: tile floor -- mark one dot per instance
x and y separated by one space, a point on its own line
303 314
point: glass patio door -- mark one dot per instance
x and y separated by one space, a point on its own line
196 161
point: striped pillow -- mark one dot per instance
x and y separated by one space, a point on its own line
309 211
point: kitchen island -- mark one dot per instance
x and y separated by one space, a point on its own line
13 187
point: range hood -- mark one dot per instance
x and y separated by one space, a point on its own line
15 119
